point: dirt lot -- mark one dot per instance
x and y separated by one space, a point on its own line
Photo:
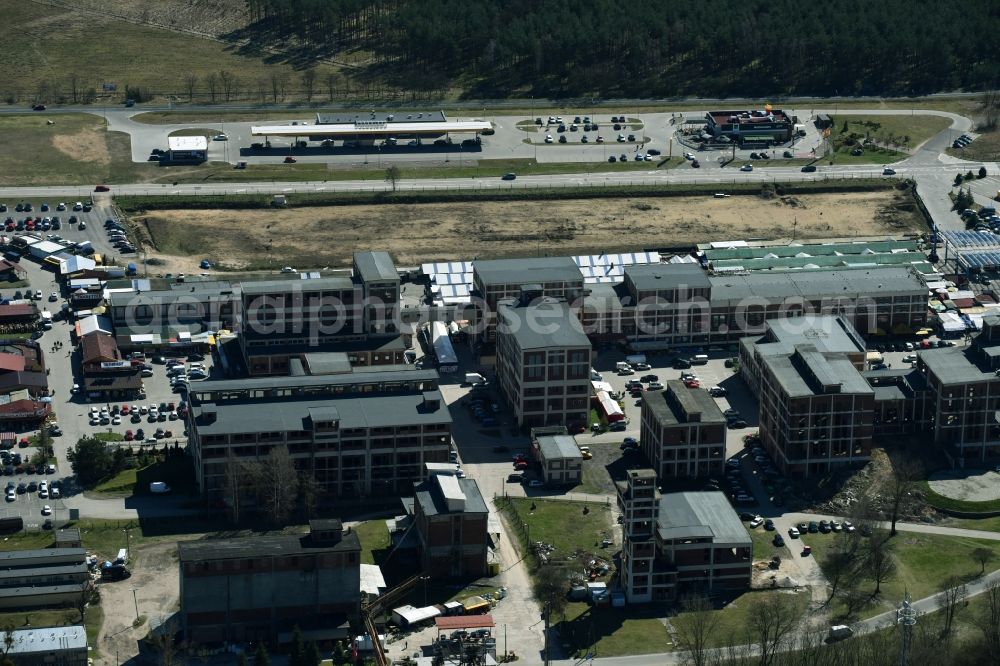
326 236
155 578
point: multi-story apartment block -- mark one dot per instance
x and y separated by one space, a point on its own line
260 588
964 394
680 542
682 432
357 433
816 409
543 362
450 518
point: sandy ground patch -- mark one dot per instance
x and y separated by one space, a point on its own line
156 579
968 485
326 236
86 145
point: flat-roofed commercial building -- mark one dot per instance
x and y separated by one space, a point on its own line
187 149
543 362
682 432
261 587
48 646
757 127
357 433
558 455
964 394
816 410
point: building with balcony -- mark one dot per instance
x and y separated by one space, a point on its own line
259 588
543 362
358 433
450 519
679 543
682 432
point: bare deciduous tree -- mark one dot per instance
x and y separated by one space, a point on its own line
906 472
879 562
983 557
261 90
332 79
74 86
277 484
987 620
309 83
695 628
239 483
842 562
769 624
953 591
190 83
228 84
212 82
392 176
277 85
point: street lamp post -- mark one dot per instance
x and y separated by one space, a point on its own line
136 600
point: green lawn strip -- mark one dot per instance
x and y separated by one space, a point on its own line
923 562
374 536
612 632
910 131
731 628
763 544
137 204
109 436
177 472
985 524
301 111
950 504
37 618
565 525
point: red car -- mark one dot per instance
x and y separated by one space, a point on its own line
129 435
690 383
290 160
521 465
24 443
125 409
102 188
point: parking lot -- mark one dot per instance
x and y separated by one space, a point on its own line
72 409
92 221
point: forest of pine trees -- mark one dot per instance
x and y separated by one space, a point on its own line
652 48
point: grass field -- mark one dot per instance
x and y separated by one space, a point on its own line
374 536
75 150
923 562
985 524
375 169
318 236
909 131
175 472
612 632
732 618
985 148
565 525
57 43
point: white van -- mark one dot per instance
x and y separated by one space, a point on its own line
699 359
